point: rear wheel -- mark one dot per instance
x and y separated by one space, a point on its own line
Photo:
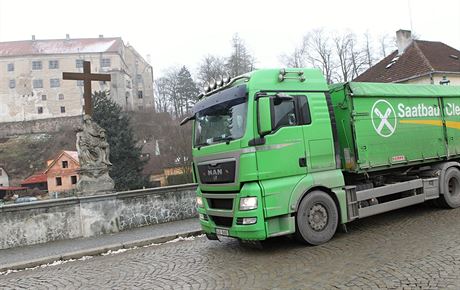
451 196
316 219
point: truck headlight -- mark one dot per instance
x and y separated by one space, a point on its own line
199 201
248 203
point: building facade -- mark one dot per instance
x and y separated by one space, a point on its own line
62 173
31 84
416 62
4 178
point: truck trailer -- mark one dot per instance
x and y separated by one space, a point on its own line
279 152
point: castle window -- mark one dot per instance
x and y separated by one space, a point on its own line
37 84
54 83
53 64
78 63
105 62
37 65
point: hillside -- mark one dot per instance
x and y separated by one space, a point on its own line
24 155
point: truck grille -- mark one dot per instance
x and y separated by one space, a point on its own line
223 172
220 203
222 221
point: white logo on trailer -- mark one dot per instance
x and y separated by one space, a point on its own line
380 120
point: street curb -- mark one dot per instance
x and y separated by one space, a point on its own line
96 251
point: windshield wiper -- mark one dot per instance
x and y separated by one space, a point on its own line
227 139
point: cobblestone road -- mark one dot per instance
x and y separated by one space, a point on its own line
418 247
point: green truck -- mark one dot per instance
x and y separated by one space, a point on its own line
279 152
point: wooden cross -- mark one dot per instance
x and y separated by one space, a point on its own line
86 77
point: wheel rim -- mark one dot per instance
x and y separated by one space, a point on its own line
317 217
454 187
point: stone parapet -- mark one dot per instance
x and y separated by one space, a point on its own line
75 217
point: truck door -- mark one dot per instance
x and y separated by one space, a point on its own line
283 152
319 143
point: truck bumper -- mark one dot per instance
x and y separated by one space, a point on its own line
216 220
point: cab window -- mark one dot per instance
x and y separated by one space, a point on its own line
284 114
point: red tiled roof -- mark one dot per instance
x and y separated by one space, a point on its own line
60 46
36 178
419 58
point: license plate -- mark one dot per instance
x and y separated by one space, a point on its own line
222 232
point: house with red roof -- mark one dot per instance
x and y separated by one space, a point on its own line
62 172
31 84
416 61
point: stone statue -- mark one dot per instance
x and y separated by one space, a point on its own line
92 146
93 153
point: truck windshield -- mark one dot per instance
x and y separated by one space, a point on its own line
221 123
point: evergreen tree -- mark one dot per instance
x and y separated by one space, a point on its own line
124 153
187 90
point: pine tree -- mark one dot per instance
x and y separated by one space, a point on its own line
187 90
124 153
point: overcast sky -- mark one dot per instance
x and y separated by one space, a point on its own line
176 32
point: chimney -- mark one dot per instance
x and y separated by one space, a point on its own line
403 39
33 37
101 35
67 36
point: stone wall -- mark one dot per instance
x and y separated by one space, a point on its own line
38 126
68 218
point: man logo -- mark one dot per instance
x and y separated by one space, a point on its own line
214 172
384 123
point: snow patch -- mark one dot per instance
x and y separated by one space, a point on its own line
110 252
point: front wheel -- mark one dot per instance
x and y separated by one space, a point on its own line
316 219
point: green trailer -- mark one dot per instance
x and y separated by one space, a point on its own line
278 152
383 126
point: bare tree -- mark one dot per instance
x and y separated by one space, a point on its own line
319 52
240 61
343 44
211 67
358 59
296 59
368 50
161 93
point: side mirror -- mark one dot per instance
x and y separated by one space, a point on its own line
264 116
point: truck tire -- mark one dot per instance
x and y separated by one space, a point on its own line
316 218
451 196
